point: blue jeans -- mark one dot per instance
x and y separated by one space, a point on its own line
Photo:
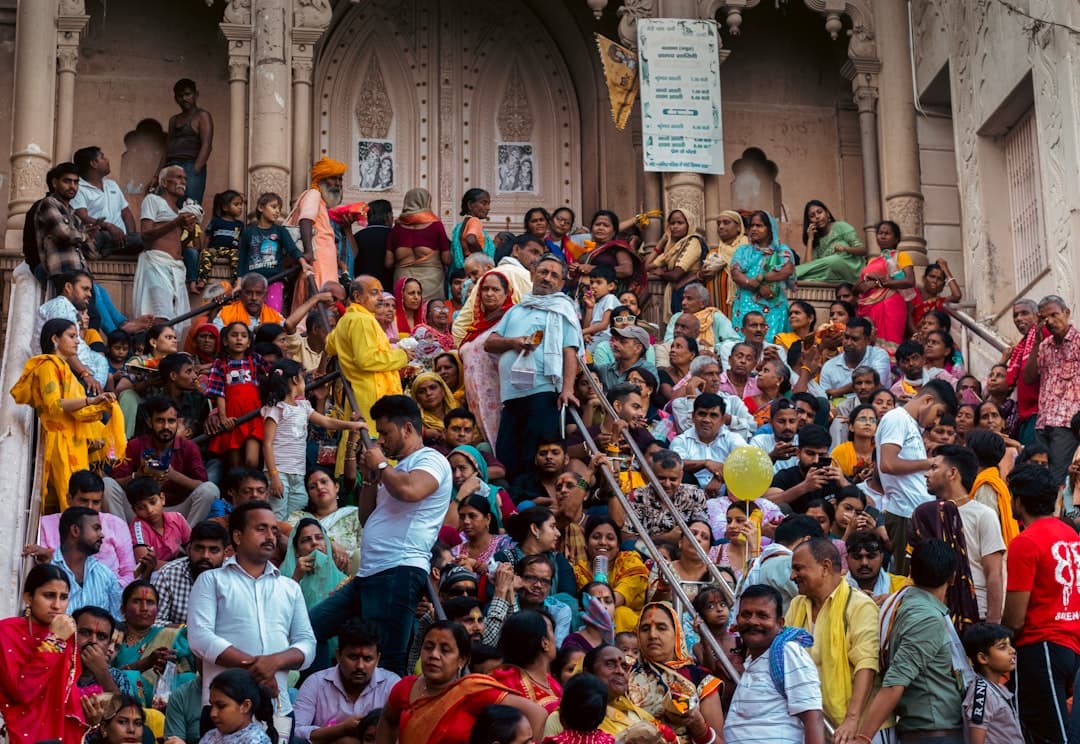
191 265
525 421
196 180
387 599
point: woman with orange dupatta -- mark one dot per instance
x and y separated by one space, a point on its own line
75 435
528 647
440 706
419 248
496 296
38 696
408 305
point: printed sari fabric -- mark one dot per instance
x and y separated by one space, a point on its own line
143 683
941 520
886 308
518 680
755 262
446 718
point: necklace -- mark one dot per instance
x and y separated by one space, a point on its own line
132 637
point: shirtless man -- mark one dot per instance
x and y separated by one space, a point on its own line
159 275
190 138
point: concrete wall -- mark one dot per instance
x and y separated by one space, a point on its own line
7 81
937 159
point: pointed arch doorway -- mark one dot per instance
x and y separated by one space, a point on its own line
450 95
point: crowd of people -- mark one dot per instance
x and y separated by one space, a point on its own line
318 510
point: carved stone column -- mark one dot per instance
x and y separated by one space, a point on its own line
304 40
32 121
901 171
864 87
238 35
271 143
69 28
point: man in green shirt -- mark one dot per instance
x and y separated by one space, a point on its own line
919 684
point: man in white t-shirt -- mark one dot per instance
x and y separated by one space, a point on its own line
402 509
759 710
102 205
902 463
950 477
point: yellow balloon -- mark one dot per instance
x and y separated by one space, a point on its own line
748 472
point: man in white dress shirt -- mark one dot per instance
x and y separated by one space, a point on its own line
247 615
858 352
704 447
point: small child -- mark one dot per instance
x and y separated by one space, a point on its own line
285 433
581 711
600 301
265 245
457 284
222 235
627 643
154 532
233 386
910 360
716 615
117 346
943 432
236 701
989 709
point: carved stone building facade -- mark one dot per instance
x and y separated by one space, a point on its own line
880 108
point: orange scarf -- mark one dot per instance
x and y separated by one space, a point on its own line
992 477
236 313
430 716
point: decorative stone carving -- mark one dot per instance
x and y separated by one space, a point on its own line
907 211
301 69
238 68
67 59
689 199
628 14
72 7
374 113
265 179
515 116
862 40
238 11
28 176
312 13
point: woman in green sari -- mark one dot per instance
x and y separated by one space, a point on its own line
147 648
308 562
833 250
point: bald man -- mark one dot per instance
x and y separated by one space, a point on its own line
361 346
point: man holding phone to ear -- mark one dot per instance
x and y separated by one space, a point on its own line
815 477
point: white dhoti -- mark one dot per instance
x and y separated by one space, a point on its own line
160 289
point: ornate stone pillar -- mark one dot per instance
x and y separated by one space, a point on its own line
238 33
32 121
901 172
304 40
863 76
69 28
270 121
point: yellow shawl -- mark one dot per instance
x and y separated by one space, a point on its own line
992 477
835 671
685 254
434 419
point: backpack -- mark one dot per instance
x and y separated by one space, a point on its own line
30 249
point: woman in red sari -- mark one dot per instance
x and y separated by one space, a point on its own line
38 696
440 706
885 286
605 250
409 305
528 647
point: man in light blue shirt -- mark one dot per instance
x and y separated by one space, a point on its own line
92 582
537 342
246 614
858 352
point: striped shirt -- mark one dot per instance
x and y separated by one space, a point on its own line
759 713
100 587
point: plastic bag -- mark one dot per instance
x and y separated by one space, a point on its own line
523 371
163 688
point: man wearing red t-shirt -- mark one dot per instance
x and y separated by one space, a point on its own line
1042 605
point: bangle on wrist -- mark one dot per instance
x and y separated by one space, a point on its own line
271 472
707 738
864 737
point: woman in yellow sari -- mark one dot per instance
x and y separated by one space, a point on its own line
715 271
76 436
435 399
626 574
677 258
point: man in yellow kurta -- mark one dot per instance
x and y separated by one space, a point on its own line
844 624
363 350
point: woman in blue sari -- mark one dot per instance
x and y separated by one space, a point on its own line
147 648
761 271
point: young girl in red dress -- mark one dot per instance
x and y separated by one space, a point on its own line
233 385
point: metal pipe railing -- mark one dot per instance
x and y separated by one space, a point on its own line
976 328
665 569
654 482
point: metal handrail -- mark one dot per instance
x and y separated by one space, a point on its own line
975 327
665 570
654 482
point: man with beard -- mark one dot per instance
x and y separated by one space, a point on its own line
781 444
402 508
536 486
333 702
625 398
859 351
167 225
902 461
312 215
75 293
844 625
865 556
175 579
92 583
94 628
537 341
814 476
1025 315
168 458
753 331
247 615
705 377
760 711
251 308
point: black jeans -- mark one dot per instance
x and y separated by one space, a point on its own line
525 421
388 599
1045 672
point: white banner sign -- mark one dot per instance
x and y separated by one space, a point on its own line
680 95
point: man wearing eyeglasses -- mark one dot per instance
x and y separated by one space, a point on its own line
535 576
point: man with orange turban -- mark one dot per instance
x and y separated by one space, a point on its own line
311 214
